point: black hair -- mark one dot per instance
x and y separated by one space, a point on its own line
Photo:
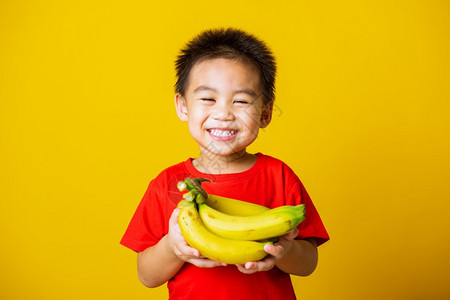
227 43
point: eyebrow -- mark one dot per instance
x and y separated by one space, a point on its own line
204 88
241 91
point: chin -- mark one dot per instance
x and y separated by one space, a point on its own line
227 152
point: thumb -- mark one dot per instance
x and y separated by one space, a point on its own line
292 234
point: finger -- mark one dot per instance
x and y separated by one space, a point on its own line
250 265
244 270
290 235
253 267
274 250
174 216
205 263
184 250
191 251
293 234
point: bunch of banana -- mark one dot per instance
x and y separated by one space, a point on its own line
268 224
230 230
234 207
226 205
213 246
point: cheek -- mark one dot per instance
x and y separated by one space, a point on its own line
251 120
194 118
198 113
195 122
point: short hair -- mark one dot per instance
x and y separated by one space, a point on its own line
227 43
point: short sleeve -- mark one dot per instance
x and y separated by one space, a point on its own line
147 225
312 226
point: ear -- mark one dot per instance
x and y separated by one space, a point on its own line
181 107
266 115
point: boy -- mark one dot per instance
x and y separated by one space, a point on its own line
225 92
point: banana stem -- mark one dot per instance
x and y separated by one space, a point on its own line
196 184
200 180
191 195
195 191
200 199
181 186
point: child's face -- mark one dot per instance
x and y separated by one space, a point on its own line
223 106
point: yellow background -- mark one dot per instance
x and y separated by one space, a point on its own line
87 120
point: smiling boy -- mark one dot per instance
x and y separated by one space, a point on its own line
224 108
225 93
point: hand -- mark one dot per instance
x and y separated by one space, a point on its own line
276 252
181 248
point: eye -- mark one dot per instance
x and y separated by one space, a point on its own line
240 101
208 99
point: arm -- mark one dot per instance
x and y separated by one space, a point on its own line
297 257
157 264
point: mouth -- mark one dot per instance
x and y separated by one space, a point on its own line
222 134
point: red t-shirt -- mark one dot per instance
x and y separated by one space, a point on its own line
268 182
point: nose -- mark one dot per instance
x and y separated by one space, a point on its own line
223 112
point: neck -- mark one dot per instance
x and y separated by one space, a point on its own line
224 164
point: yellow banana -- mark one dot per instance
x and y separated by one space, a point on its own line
227 205
268 224
234 207
212 246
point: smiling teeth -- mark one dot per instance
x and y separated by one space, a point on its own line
218 132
